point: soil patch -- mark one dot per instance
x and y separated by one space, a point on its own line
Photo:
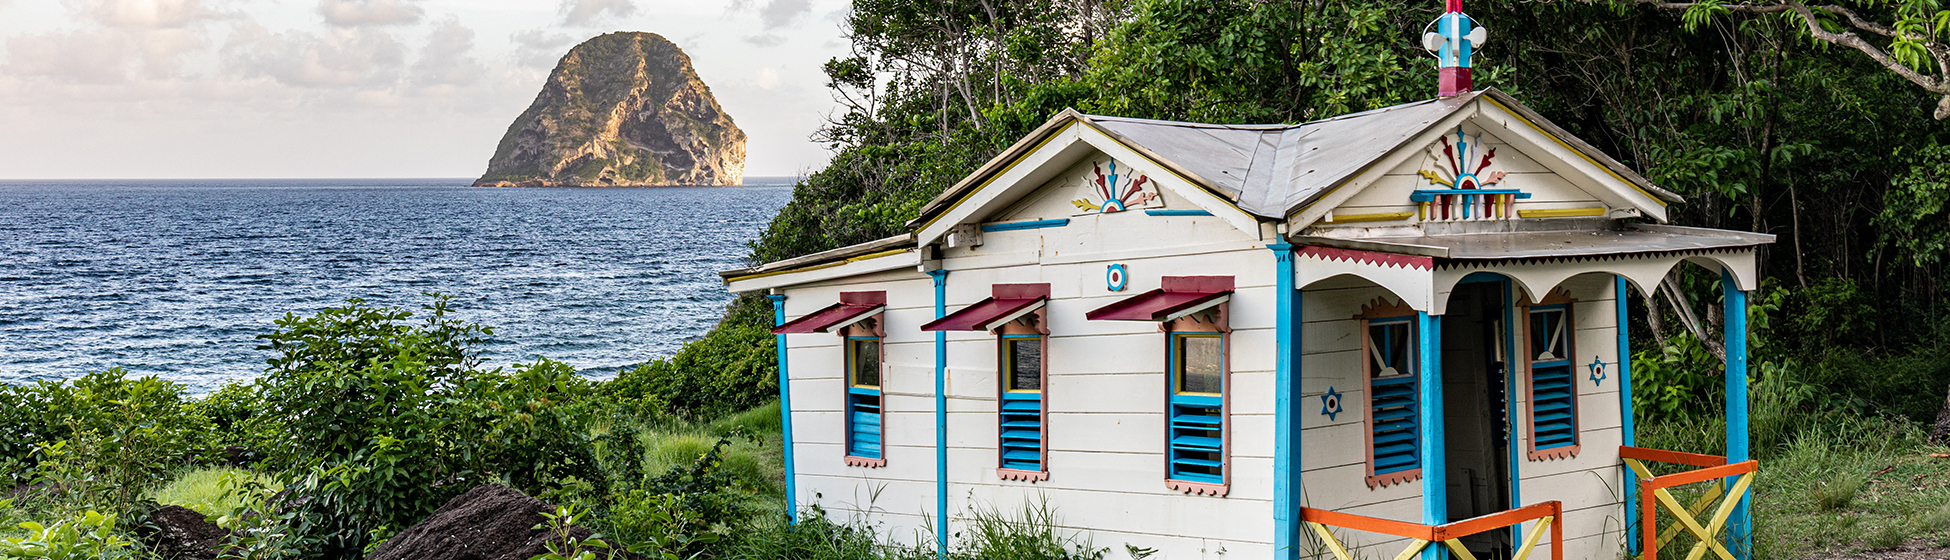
180 533
1915 549
490 522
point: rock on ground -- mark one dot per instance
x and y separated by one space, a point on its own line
490 522
180 533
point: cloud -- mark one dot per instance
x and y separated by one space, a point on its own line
354 13
782 13
448 57
774 14
91 57
584 12
540 49
144 14
767 40
341 58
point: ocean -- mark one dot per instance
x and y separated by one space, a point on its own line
177 278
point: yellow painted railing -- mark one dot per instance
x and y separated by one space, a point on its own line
1548 515
1653 493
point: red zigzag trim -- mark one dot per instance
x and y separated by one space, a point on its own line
1367 257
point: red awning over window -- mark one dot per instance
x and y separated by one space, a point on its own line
1009 302
1179 296
853 306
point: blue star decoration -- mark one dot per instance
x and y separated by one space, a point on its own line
1597 370
1330 403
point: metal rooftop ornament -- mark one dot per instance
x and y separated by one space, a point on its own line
1454 41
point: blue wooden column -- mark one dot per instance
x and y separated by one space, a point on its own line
1511 371
1286 407
941 413
785 410
1622 293
1739 527
1435 485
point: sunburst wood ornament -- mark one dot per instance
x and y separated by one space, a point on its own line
1110 192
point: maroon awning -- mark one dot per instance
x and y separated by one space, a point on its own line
1178 295
853 306
1009 302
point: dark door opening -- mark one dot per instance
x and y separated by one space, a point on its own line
1474 411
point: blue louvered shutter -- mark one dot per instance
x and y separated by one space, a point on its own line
1197 431
1553 388
1394 411
1022 402
863 410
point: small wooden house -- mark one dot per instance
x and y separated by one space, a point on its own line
1248 341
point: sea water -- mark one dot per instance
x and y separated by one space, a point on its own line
177 278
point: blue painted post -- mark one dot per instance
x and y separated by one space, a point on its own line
1511 364
1286 413
1621 293
1736 377
1435 485
941 413
785 411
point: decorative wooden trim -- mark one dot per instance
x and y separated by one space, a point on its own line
1214 320
1377 217
1560 212
1380 308
1202 488
1026 476
1556 296
1366 257
852 461
1390 479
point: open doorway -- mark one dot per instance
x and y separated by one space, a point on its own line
1475 410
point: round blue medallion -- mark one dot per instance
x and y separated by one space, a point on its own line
1114 278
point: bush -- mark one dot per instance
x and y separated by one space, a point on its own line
733 368
99 438
86 536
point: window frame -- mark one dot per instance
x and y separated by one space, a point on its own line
1382 312
1554 301
1209 323
868 328
1029 326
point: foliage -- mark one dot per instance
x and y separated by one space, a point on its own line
98 439
210 491
1915 215
350 375
563 545
733 368
683 510
1838 492
86 536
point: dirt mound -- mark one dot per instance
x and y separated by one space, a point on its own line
490 522
180 533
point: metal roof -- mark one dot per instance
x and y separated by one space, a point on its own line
1268 170
1272 170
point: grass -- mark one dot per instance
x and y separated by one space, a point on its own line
209 491
1836 485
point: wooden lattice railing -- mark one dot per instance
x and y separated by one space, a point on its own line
1653 493
1548 515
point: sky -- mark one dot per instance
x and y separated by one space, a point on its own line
123 89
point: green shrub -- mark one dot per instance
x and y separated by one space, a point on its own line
1029 533
733 368
86 536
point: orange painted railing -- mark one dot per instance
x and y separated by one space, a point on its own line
1449 534
1653 493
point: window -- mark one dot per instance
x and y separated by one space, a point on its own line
1553 387
1390 364
864 426
1022 418
1198 408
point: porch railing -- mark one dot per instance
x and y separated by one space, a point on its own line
1653 493
1450 534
